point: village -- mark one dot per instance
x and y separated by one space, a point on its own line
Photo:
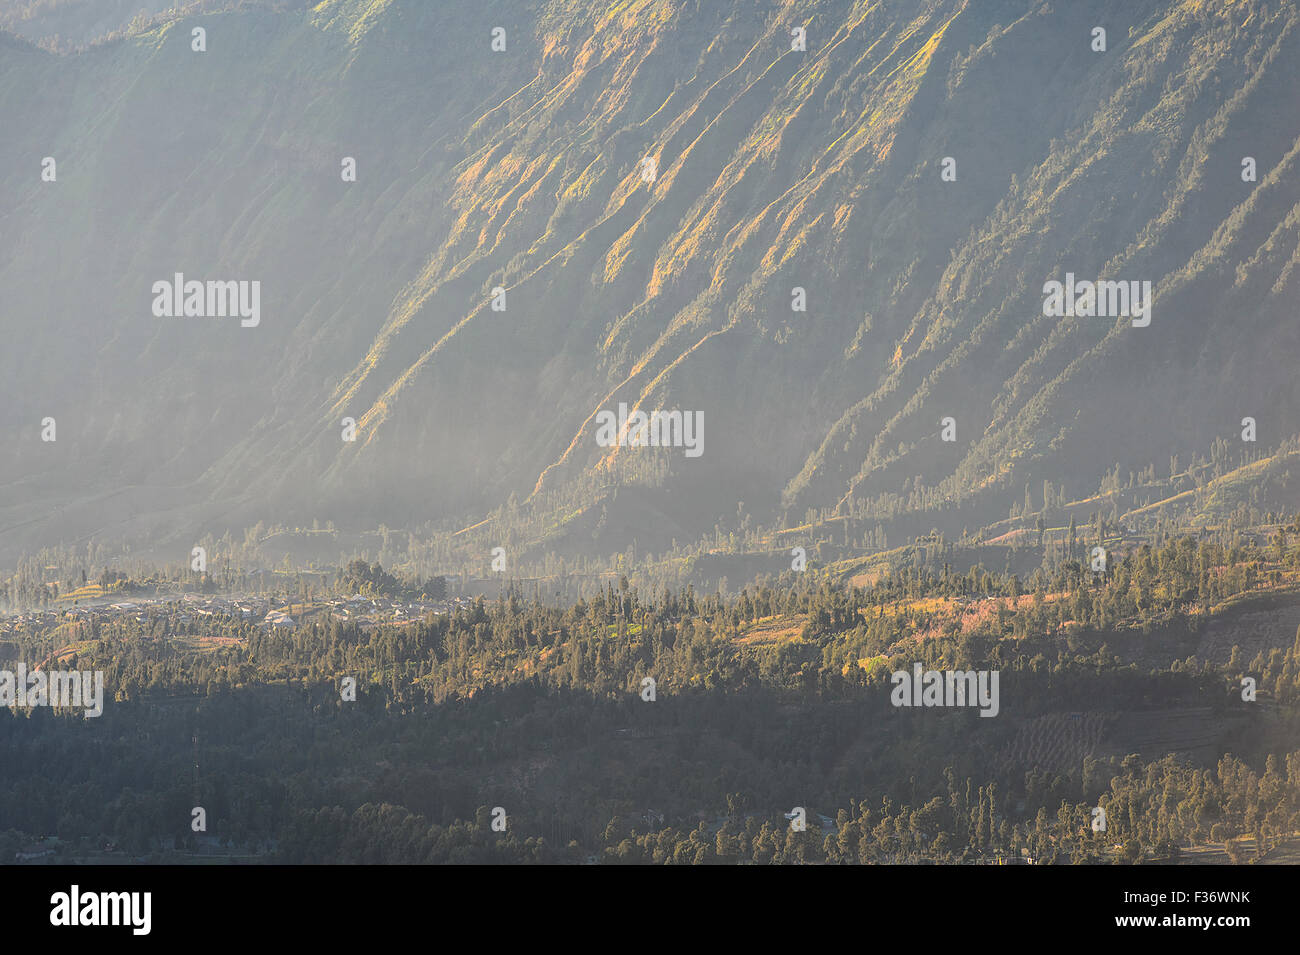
267 611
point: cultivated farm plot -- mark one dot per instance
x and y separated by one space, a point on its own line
1057 742
779 629
1195 732
1060 741
1255 631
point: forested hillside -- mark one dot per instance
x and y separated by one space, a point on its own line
1117 692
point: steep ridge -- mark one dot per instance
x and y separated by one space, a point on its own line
774 168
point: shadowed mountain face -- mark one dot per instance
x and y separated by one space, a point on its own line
74 24
626 205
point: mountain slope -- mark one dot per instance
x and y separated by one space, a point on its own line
524 170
